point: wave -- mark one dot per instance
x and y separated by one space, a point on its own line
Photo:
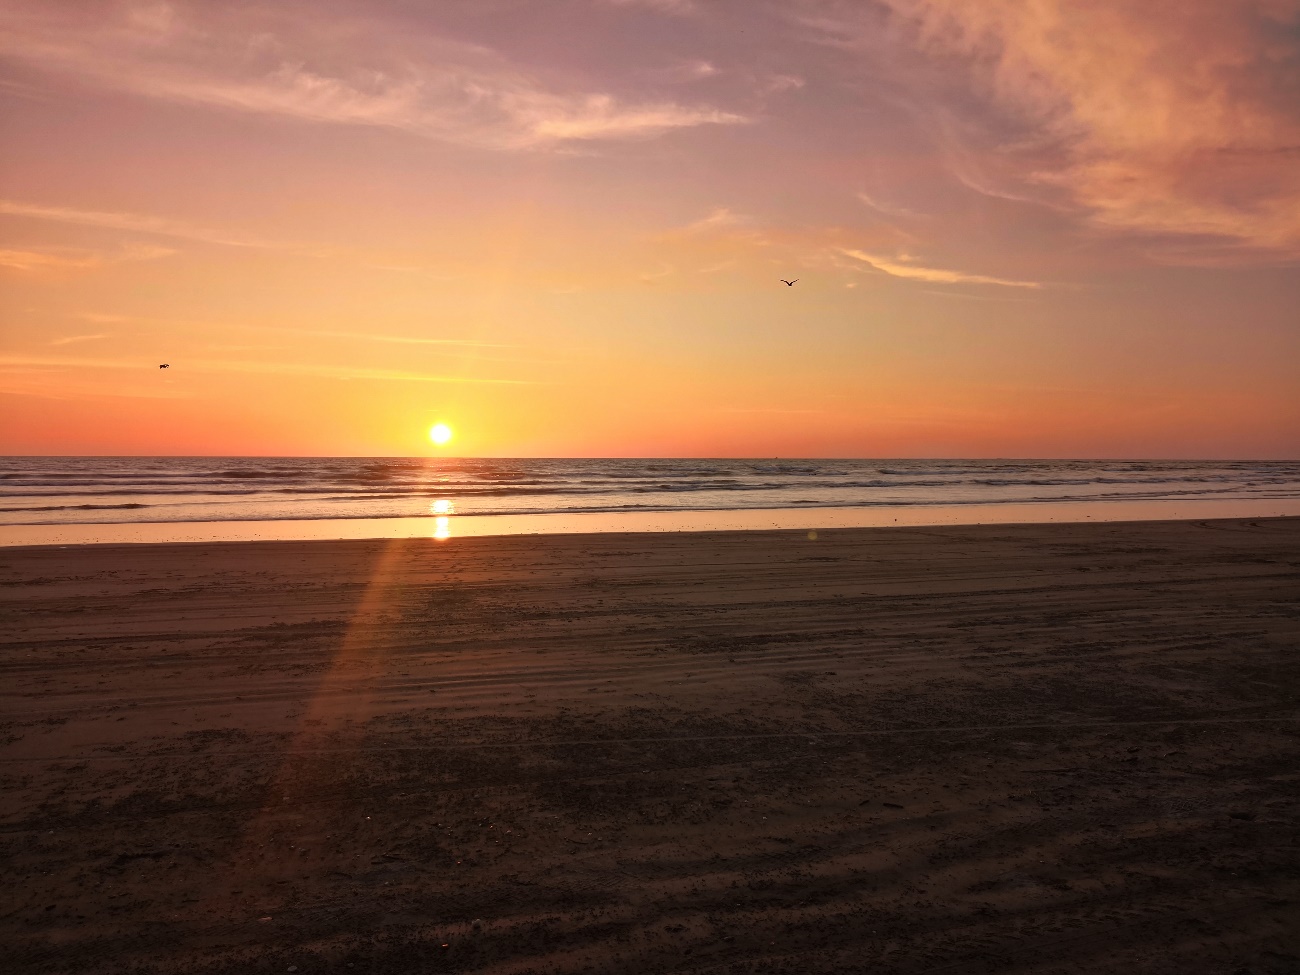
200 489
612 509
79 507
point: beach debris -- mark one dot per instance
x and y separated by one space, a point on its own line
1242 814
891 805
477 924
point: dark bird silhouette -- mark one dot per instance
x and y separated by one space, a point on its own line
788 284
165 365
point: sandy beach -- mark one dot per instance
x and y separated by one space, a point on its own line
1034 748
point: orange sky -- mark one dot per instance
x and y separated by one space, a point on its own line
1047 229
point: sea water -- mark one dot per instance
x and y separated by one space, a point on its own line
104 491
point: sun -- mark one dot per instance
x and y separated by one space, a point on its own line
440 433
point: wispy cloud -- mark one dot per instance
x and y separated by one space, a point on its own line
267 60
132 222
449 343
350 373
1149 120
73 339
650 277
65 362
36 385
677 8
74 259
721 224
686 71
963 296
323 371
936 275
776 83
892 209
21 260
393 339
720 266
99 318
601 117
21 90
717 219
1156 119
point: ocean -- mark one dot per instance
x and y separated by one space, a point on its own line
104 491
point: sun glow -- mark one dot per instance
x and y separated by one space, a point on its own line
440 433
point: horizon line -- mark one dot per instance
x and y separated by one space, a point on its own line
733 457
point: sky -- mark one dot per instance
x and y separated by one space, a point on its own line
1019 228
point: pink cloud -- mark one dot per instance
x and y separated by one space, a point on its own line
1166 118
342 71
903 268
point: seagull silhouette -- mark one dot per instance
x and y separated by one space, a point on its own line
165 365
788 284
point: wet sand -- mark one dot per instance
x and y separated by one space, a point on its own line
634 522
1039 748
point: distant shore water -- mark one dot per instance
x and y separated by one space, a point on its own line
69 500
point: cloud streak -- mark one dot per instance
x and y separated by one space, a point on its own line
20 362
719 218
73 339
887 208
131 222
676 8
20 260
265 61
934 275
71 259
393 339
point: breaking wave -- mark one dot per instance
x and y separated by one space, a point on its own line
88 490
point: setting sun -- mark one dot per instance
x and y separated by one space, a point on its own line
440 433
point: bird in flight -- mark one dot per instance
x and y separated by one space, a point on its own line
165 365
788 284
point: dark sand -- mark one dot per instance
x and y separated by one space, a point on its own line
1050 748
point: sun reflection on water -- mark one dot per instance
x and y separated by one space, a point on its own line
442 528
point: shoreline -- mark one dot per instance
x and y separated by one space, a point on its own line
840 534
448 527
